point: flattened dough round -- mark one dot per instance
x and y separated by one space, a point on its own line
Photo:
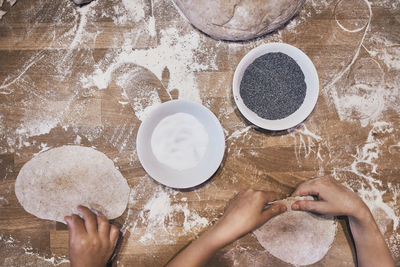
297 237
238 19
52 184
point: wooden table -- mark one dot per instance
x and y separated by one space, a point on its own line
51 51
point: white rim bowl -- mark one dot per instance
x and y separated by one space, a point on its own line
187 178
311 80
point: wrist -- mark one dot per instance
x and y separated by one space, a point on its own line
220 236
361 216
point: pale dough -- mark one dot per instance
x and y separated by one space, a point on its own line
2 13
52 184
297 237
238 19
179 141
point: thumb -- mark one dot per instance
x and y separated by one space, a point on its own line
272 212
310 205
68 220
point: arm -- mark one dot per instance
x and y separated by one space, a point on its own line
335 199
245 213
91 240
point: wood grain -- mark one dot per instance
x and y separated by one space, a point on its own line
41 74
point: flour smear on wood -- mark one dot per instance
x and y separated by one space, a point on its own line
182 52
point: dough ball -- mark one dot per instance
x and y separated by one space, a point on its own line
52 184
297 237
238 19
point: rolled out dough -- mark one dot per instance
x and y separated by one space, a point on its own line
297 237
238 19
52 184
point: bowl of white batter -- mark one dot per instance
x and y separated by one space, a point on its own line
180 144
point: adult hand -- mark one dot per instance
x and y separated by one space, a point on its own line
247 212
332 198
91 240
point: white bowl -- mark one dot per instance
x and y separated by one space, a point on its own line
311 80
207 166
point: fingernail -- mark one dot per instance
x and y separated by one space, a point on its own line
98 213
283 208
295 206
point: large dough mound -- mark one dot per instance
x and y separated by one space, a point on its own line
54 183
297 237
238 19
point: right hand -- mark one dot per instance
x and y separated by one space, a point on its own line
333 198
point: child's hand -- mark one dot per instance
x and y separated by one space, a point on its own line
91 240
246 212
333 198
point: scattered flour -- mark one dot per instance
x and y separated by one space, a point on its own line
11 2
80 37
42 121
183 53
78 140
358 23
366 99
135 9
42 110
307 143
368 184
3 201
239 133
319 6
4 87
160 215
43 147
135 12
176 51
179 141
13 251
370 193
141 111
388 53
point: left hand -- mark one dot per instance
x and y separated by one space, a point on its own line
91 240
247 212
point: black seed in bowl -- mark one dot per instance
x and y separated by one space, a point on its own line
273 86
